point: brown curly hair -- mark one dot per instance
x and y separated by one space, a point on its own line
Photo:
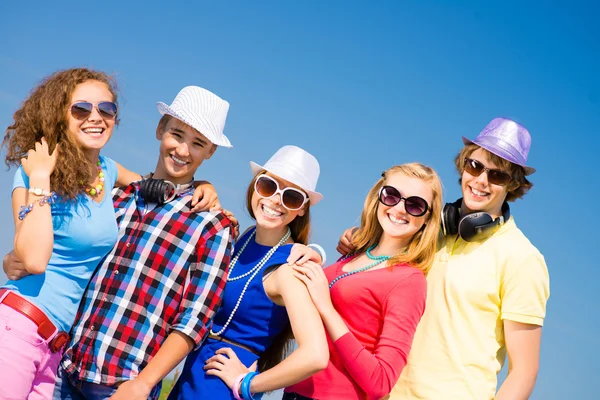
519 184
45 114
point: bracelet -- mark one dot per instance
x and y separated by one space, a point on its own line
236 387
246 394
39 192
319 250
51 199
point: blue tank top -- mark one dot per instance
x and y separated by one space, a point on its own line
257 320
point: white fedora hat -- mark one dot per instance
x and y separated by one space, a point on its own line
202 110
295 165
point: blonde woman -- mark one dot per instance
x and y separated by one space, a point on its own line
372 301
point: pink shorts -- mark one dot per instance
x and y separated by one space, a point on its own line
27 365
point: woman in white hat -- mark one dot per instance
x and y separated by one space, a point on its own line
372 301
264 305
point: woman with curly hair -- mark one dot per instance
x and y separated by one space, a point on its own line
64 220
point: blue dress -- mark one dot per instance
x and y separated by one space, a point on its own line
255 324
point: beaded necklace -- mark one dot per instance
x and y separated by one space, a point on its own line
376 261
96 190
253 272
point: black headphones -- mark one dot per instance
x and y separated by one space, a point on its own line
160 191
472 227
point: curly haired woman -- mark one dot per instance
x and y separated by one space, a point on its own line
64 220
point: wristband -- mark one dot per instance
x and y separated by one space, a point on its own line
39 192
236 386
319 250
245 389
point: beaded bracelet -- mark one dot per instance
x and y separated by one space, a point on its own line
51 199
236 387
246 394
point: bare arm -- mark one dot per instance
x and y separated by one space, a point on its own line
523 348
34 235
311 355
174 349
125 176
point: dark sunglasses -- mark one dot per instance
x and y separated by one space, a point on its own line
495 176
82 109
414 205
291 198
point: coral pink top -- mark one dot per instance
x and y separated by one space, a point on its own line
381 308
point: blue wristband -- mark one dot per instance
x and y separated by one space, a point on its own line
245 386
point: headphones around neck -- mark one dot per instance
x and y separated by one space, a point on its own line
160 191
473 227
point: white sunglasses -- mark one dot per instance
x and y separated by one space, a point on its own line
291 198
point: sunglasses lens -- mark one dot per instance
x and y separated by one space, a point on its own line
415 206
107 109
292 199
498 177
81 110
265 187
389 196
473 167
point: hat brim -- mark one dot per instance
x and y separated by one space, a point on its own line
314 197
528 170
205 129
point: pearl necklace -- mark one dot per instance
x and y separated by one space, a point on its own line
377 260
253 272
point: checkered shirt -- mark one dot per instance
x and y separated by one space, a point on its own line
167 272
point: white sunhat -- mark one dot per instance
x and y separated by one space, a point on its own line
202 110
295 165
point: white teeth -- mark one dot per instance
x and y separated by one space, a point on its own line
478 193
397 221
93 130
178 161
270 211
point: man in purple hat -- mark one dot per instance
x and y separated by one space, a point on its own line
488 286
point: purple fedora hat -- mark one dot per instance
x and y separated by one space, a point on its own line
506 139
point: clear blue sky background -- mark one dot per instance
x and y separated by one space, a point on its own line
363 86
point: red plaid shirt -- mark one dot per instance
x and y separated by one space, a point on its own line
167 272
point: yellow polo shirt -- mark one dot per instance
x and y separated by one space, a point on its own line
459 346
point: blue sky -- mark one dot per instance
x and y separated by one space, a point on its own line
363 86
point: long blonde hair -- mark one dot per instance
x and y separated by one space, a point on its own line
422 248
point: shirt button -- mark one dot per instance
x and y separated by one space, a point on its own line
105 298
127 244
92 328
116 272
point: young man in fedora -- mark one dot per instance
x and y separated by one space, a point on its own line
154 295
488 287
